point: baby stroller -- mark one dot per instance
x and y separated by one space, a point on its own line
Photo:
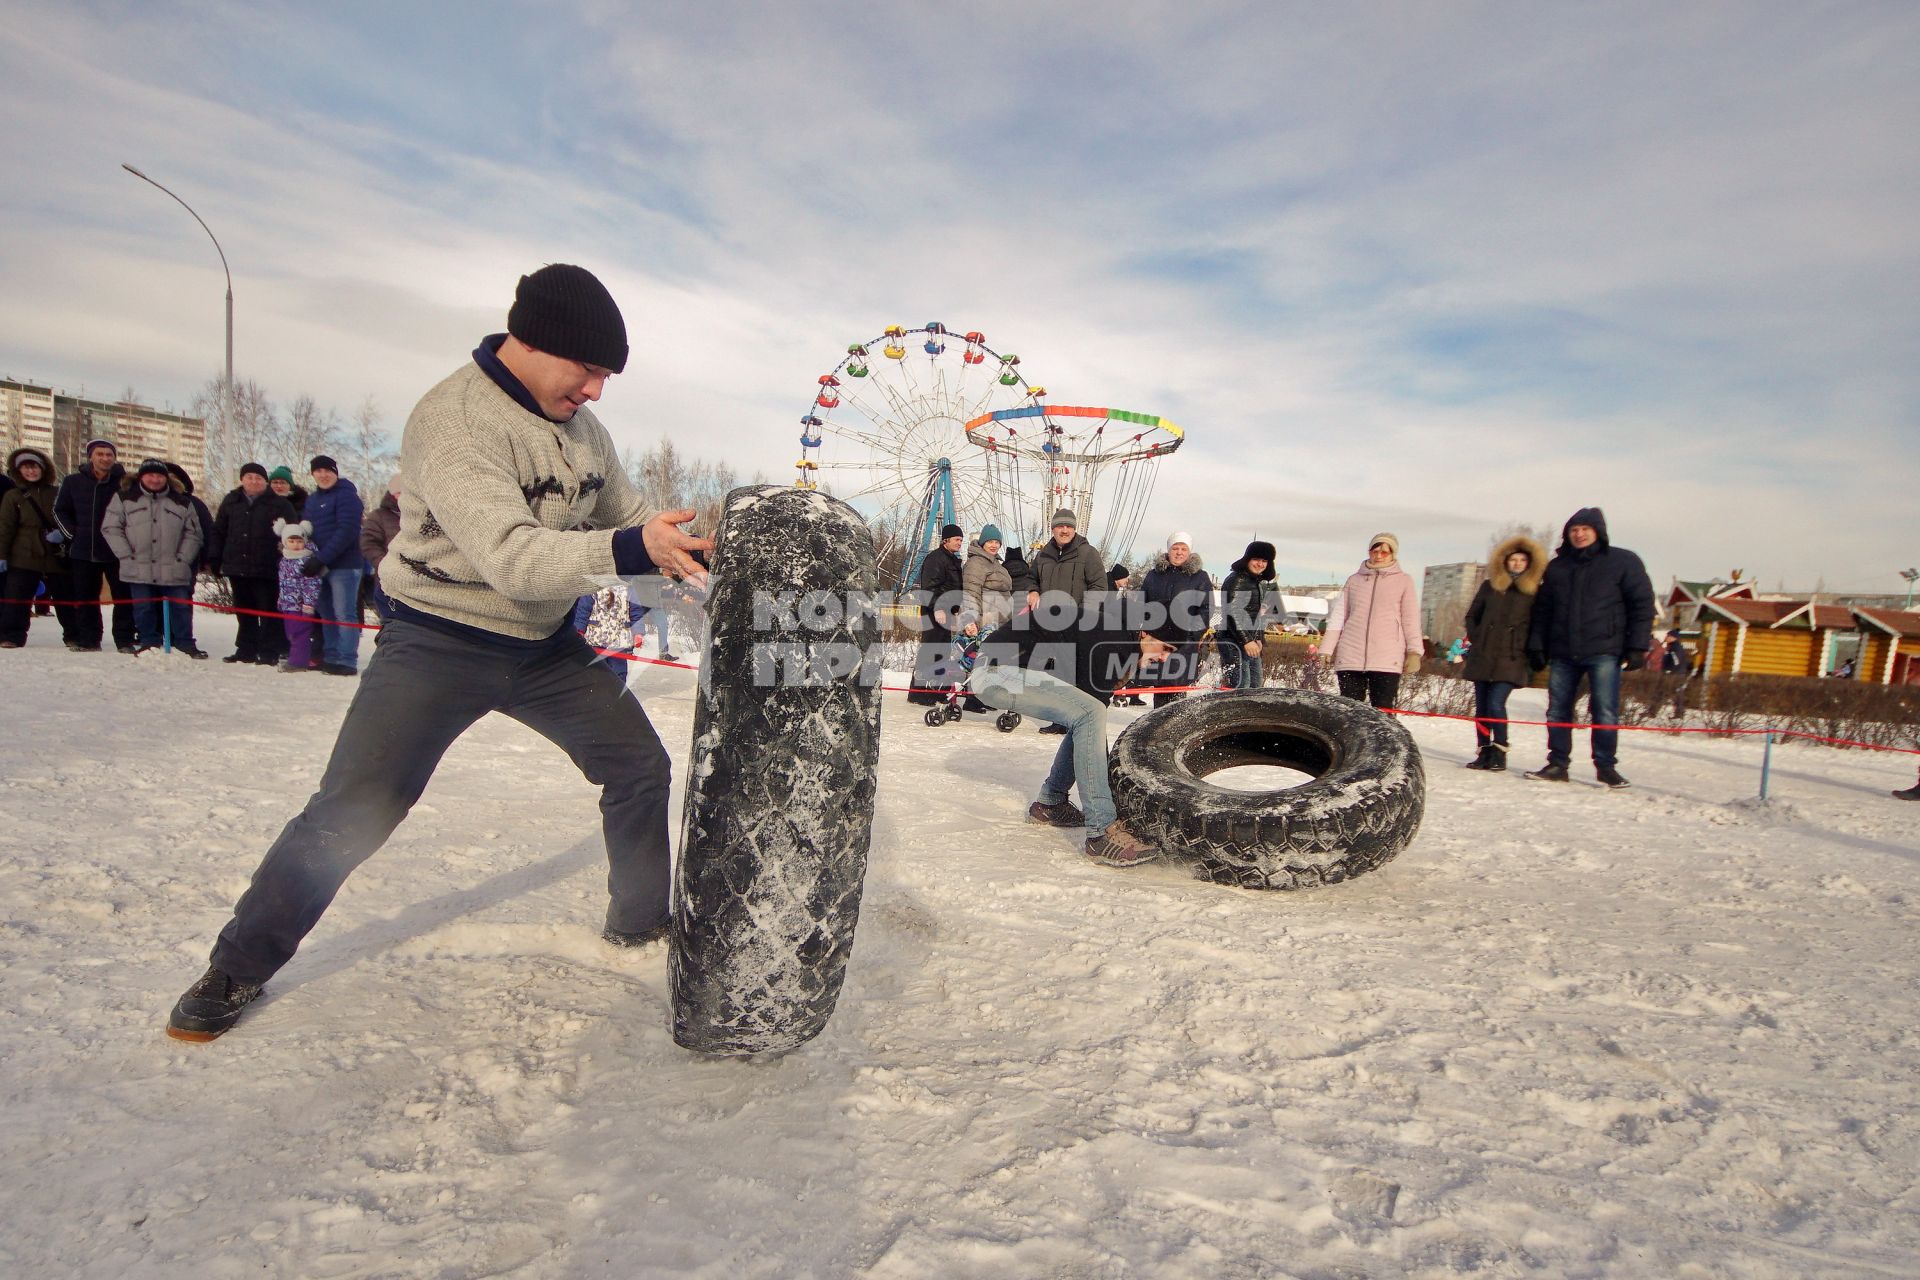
966 649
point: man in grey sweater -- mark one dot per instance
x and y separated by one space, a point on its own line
513 502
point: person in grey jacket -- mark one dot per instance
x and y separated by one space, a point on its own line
155 534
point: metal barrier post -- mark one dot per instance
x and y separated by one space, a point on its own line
166 622
1766 763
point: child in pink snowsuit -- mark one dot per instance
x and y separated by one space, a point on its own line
299 594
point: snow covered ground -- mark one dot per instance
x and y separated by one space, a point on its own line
1663 1032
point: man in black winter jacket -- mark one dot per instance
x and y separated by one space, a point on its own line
80 506
246 551
941 588
1593 617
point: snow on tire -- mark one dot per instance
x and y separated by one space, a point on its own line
779 808
1362 807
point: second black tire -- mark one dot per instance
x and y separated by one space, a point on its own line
1362 807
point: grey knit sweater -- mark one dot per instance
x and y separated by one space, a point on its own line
505 518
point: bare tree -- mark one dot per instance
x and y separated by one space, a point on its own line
241 428
367 448
311 430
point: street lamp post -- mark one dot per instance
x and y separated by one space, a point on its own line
226 390
1911 575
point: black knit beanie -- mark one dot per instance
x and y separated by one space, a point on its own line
565 311
951 531
253 469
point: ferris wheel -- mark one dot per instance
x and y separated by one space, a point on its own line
886 430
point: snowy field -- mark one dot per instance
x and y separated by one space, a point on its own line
1659 1033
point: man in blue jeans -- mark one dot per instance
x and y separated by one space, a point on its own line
1061 662
1592 618
336 513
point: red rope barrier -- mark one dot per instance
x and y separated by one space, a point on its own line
626 656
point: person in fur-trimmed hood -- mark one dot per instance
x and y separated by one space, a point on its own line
1178 587
1497 626
155 534
30 541
1592 618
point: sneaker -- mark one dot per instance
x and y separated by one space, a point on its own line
139 649
1118 847
130 648
1911 793
1064 814
210 1007
1610 776
336 669
290 669
659 933
1550 773
667 657
1053 728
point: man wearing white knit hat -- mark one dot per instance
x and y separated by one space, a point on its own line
1179 595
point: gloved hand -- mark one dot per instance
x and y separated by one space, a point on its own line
56 537
1536 660
1411 665
1636 660
311 567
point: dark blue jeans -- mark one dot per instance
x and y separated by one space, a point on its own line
148 626
1490 704
422 690
1563 689
340 603
1238 670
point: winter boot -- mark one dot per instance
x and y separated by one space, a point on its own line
210 1007
1053 728
1118 847
1484 760
1496 757
1911 793
1610 776
1063 814
1549 773
646 937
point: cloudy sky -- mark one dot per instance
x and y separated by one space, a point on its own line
1430 268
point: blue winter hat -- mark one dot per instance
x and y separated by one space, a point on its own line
991 533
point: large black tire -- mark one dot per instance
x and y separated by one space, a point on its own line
779 812
1362 807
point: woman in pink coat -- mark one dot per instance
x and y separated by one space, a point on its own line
1373 629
